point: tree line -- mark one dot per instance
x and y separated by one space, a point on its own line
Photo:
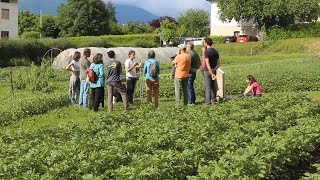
95 17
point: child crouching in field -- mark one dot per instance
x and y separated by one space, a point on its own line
253 88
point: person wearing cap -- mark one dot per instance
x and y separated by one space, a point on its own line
195 65
212 63
182 63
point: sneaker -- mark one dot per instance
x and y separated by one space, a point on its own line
190 104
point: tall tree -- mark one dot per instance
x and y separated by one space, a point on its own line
155 23
136 28
111 12
269 12
83 18
168 31
28 22
50 27
194 23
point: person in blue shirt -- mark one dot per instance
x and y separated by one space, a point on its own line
152 78
97 87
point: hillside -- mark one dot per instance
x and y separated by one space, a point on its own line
124 13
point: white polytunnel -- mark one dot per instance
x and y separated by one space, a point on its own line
163 54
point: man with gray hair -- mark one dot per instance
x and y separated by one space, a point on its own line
182 62
195 65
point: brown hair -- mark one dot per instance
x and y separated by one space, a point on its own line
76 56
209 41
151 54
97 59
86 51
251 79
191 45
131 52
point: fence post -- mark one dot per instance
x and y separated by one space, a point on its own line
11 81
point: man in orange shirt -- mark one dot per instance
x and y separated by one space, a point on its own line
183 65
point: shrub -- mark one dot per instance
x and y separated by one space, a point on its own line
35 49
30 35
217 39
294 31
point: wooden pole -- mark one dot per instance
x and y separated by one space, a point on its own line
11 81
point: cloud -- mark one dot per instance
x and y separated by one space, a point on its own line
166 7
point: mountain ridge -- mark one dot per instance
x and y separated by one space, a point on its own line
124 13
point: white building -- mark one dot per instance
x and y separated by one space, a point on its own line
9 19
220 28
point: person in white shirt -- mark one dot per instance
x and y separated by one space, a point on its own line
131 75
74 85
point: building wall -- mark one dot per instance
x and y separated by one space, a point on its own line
11 24
220 28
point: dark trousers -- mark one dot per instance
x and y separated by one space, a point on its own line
96 97
122 90
191 92
131 84
210 88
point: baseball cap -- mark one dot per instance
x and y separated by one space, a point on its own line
181 46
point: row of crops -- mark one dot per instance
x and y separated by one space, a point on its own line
244 138
229 141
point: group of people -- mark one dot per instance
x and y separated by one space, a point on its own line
185 63
80 83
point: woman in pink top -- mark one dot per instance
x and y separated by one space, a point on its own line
253 88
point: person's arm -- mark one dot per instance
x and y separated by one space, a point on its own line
120 68
208 65
145 68
101 72
217 66
128 69
198 62
175 61
249 88
69 66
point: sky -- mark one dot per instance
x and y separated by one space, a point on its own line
167 7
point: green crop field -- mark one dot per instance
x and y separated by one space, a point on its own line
42 136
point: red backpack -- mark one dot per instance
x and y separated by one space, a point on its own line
92 76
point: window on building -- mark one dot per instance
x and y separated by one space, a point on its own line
4 34
6 1
4 13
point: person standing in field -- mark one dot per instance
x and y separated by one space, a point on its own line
152 70
131 75
183 64
74 84
97 87
114 81
212 63
195 65
84 85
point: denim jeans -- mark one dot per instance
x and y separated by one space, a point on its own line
84 91
181 87
191 93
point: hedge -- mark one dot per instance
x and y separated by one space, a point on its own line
33 50
294 31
